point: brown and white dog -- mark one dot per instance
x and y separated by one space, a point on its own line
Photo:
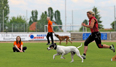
63 50
61 38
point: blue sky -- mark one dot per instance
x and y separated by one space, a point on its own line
79 7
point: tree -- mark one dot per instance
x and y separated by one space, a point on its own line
34 17
50 13
113 24
45 13
18 23
30 21
57 17
18 19
42 22
97 16
57 20
86 22
4 7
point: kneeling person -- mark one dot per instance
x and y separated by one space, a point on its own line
18 45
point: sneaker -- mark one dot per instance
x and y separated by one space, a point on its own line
112 48
48 44
84 56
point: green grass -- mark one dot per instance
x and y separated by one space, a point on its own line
37 55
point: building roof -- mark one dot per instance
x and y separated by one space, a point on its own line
33 26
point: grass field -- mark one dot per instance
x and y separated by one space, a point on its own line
37 55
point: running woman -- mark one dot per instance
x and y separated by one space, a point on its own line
95 34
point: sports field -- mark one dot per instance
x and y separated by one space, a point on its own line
37 55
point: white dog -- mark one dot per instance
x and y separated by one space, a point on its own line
63 50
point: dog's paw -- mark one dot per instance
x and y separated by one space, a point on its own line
72 61
62 57
82 61
53 57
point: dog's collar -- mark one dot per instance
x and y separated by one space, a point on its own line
55 47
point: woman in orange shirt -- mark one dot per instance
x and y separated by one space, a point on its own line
18 45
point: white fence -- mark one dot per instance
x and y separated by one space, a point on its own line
33 36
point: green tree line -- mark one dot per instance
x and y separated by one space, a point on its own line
20 24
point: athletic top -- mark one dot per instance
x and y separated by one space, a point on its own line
95 27
49 26
18 45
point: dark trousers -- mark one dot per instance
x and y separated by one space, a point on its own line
50 34
94 36
15 49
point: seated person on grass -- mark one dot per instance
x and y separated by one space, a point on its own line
18 45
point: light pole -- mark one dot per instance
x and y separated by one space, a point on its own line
3 14
114 19
65 16
72 20
3 20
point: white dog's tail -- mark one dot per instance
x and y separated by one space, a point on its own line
80 46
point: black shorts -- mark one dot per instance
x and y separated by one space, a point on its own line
94 36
